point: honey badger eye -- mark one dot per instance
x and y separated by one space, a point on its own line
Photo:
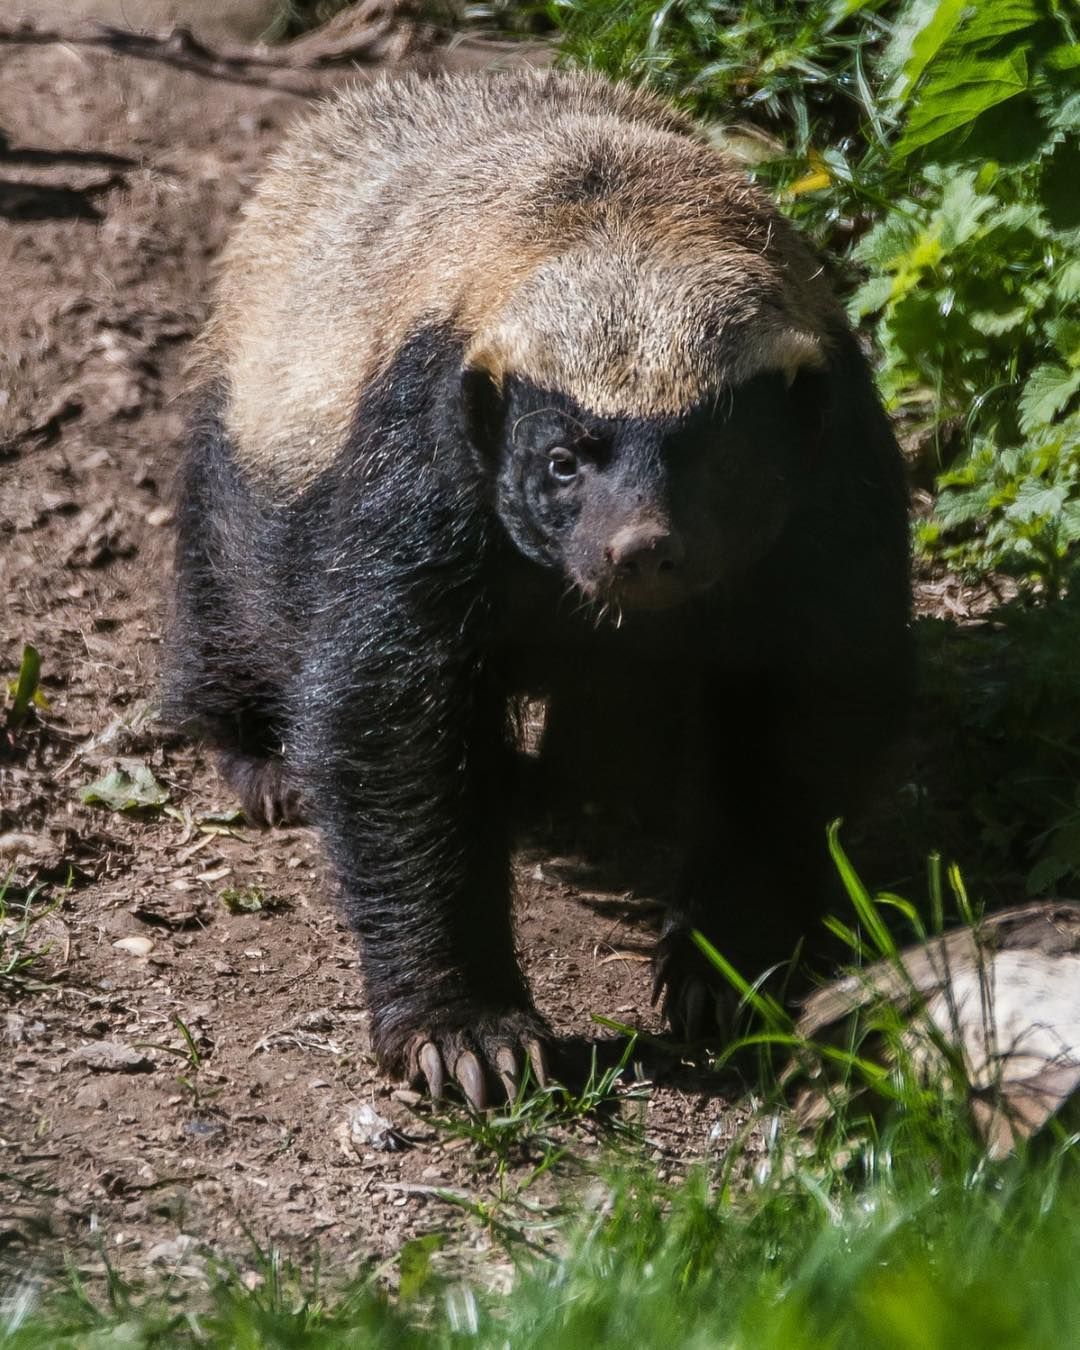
562 465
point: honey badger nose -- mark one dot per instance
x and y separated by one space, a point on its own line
646 549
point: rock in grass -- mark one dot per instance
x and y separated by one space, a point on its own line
1000 1001
111 1057
365 1129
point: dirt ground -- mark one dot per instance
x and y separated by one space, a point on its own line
119 177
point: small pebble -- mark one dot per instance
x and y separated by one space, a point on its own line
136 946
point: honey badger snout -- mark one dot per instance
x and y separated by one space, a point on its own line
643 562
645 550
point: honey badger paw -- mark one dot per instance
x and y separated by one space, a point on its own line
484 1056
266 793
697 1002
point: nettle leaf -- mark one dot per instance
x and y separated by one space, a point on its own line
1012 461
915 324
962 210
1017 217
887 243
1064 57
1035 500
871 296
1036 293
910 22
1046 393
961 508
986 22
1066 116
1070 522
1060 177
927 42
992 323
1011 134
1064 333
1066 282
129 787
958 93
972 488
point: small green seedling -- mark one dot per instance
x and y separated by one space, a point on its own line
25 691
17 960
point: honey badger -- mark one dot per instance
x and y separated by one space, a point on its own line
512 385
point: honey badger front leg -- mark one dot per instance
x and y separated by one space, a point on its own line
400 740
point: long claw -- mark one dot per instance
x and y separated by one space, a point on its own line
507 1066
470 1075
538 1062
431 1066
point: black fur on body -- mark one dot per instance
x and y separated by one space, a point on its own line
365 641
513 387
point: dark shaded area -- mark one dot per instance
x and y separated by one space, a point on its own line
40 201
32 155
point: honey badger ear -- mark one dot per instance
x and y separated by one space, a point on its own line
483 409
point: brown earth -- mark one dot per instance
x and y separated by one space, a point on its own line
119 177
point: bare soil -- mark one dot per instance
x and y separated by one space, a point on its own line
119 177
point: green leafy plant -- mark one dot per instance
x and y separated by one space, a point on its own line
130 786
18 959
794 70
974 278
252 900
24 692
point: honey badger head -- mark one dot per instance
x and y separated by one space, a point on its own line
620 290
647 421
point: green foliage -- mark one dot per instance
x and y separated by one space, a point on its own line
973 279
23 691
794 69
984 1259
130 786
252 900
19 960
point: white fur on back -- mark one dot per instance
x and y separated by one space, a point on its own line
568 230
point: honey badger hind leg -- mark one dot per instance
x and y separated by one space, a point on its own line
757 878
262 783
219 681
